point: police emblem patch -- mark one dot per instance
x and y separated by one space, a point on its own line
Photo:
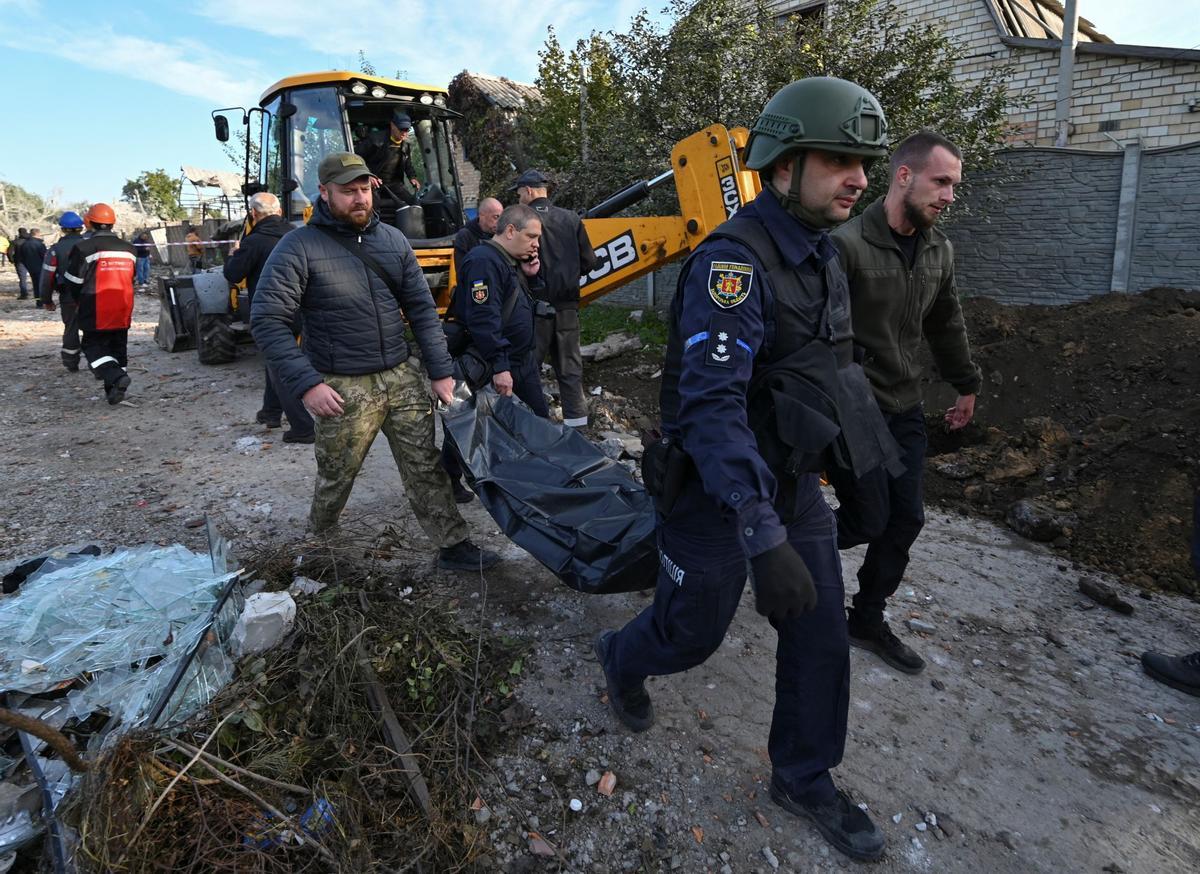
729 283
479 291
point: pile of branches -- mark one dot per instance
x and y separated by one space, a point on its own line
299 766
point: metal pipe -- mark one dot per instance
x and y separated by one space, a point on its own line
628 196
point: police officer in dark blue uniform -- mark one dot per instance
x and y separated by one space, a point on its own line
760 391
491 274
493 302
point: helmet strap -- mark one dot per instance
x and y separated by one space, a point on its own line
791 200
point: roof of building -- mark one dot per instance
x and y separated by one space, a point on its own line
1042 19
503 92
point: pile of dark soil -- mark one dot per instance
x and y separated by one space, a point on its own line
1090 414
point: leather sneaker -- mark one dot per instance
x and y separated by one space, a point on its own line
462 494
1179 672
880 640
466 556
631 706
291 436
840 821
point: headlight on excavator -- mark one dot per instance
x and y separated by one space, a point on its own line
427 99
379 92
439 101
358 88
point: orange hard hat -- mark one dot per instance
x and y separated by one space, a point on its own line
100 214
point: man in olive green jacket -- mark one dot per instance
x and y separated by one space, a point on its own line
902 292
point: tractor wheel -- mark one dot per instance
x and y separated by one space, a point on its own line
215 340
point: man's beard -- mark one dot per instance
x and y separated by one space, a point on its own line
917 217
349 218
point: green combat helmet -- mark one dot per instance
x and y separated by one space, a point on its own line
818 113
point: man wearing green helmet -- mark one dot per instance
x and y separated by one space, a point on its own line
760 392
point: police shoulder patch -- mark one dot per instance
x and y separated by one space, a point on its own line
729 283
479 291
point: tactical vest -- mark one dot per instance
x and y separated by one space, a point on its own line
809 403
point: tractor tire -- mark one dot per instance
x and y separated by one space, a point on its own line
215 340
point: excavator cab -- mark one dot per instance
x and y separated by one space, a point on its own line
301 119
307 117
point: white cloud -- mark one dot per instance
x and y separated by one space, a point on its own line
431 41
182 66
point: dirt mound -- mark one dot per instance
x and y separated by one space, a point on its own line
1090 416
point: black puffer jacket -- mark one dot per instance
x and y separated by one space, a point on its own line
352 322
251 256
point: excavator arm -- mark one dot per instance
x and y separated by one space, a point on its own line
711 186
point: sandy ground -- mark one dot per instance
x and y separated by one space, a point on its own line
1033 736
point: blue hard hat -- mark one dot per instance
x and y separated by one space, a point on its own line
70 220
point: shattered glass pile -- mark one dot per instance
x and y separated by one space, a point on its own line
124 622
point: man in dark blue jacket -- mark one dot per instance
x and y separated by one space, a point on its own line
33 253
246 262
356 281
489 276
763 297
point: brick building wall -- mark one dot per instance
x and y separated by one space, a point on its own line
1122 91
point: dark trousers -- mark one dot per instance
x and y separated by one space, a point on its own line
277 402
1196 535
527 385
70 345
106 354
558 337
703 572
885 512
23 280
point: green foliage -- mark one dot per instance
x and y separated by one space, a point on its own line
488 135
21 208
365 66
155 192
719 61
599 321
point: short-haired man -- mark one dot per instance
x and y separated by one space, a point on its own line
502 332
761 313
353 371
14 255
54 279
100 269
389 156
143 243
246 262
902 291
476 230
566 254
33 254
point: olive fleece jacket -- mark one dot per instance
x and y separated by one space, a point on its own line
894 308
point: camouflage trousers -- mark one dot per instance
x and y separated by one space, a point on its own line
397 402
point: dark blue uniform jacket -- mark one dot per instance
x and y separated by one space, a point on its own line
726 320
487 279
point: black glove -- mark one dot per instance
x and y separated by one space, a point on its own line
783 587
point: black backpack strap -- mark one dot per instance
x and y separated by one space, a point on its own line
362 256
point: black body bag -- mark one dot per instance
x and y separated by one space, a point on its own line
553 493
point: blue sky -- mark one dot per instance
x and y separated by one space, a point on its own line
97 92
